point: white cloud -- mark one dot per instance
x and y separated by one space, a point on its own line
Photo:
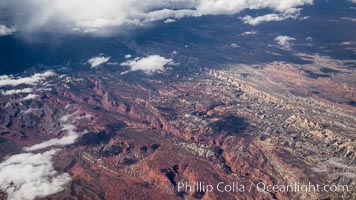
93 16
2 77
168 21
147 64
70 138
235 6
338 162
16 91
234 45
65 118
31 80
249 33
336 166
96 61
29 96
29 176
353 1
349 19
284 41
292 13
4 30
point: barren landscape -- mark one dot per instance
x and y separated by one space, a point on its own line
242 124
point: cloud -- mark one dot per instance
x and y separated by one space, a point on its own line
234 45
147 64
31 80
284 41
336 166
235 6
96 61
68 139
338 162
349 19
2 77
4 30
292 13
249 33
16 91
168 21
94 16
29 97
28 176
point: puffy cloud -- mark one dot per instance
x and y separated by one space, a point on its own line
234 45
265 18
28 176
31 80
292 13
249 33
16 91
284 41
4 30
168 21
235 6
70 138
147 64
29 97
2 77
96 61
93 15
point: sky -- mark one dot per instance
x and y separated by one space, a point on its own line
93 16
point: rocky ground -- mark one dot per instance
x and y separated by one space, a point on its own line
278 123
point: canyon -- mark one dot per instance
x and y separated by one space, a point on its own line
277 123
